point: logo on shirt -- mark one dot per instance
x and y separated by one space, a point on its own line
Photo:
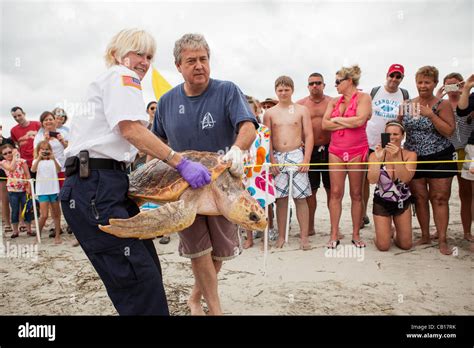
207 121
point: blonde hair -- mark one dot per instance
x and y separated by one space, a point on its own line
129 40
453 75
428 71
352 72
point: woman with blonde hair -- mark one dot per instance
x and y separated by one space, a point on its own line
104 140
347 118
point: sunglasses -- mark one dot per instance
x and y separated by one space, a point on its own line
152 109
317 83
396 76
6 153
338 81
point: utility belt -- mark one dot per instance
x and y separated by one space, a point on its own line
83 164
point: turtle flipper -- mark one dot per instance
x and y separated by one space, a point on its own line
169 218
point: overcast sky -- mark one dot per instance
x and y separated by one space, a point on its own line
51 51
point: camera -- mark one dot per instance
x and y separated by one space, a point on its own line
451 88
53 134
45 153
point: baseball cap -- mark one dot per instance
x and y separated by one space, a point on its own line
396 68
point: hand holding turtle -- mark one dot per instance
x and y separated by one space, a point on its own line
235 156
194 173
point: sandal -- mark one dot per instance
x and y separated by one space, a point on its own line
358 243
14 235
8 228
332 244
31 234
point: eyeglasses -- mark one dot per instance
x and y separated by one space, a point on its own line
6 153
396 76
317 83
338 81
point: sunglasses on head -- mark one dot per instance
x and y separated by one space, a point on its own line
317 83
396 76
338 81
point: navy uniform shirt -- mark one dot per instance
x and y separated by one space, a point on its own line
207 122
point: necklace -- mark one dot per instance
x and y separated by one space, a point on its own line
317 102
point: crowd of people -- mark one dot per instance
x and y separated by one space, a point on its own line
375 138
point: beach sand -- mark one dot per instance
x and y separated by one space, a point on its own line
59 279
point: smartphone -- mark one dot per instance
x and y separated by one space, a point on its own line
53 134
451 88
385 139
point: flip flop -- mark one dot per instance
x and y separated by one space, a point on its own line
358 243
14 235
332 244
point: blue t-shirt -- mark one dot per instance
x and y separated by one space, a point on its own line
208 122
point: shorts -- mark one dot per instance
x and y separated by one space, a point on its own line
382 207
48 198
320 154
437 170
210 234
466 165
301 187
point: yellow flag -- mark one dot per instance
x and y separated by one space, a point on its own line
160 85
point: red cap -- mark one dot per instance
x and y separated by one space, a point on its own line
396 68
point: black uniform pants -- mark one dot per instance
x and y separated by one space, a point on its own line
129 268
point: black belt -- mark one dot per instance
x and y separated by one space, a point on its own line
103 163
72 165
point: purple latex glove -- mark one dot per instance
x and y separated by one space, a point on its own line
194 173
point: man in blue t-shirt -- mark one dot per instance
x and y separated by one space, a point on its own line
204 114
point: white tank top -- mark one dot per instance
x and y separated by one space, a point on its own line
385 108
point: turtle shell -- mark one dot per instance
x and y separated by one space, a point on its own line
158 182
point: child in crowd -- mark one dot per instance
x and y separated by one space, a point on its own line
47 186
17 186
290 127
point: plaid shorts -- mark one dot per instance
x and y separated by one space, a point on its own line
301 187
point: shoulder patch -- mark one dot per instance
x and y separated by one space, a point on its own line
131 82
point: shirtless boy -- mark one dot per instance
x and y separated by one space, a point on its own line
289 124
316 103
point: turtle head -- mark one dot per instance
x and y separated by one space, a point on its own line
236 204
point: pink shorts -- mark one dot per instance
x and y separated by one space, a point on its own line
210 234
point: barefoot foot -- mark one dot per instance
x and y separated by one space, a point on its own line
195 308
468 237
311 232
445 249
305 244
422 240
248 244
279 243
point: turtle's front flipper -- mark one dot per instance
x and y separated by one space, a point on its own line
169 218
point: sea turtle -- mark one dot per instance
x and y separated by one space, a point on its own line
159 183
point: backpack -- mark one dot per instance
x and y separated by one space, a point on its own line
374 91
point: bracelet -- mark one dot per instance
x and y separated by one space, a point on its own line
170 156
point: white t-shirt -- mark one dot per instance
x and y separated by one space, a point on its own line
114 96
58 148
385 107
46 178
